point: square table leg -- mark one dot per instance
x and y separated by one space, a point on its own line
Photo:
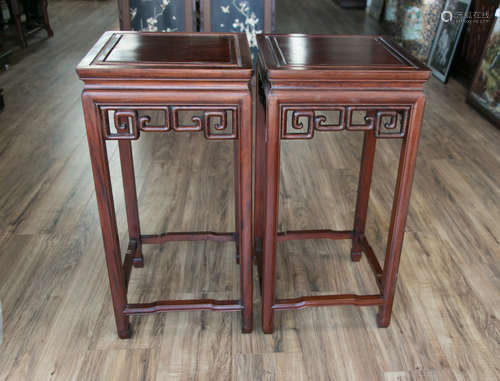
260 180
244 164
237 201
401 201
365 178
128 177
270 145
16 15
46 23
272 149
104 196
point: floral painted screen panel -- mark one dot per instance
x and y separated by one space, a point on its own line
158 15
238 16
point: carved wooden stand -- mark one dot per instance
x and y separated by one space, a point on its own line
300 78
21 34
128 76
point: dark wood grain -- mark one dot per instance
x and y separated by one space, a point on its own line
174 56
291 71
365 178
56 304
328 300
128 56
376 60
177 49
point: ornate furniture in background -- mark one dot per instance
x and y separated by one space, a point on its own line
318 84
413 23
447 37
484 93
4 54
251 17
158 15
130 76
474 37
241 16
34 25
374 8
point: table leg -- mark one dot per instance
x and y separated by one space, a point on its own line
244 163
104 195
401 201
237 201
124 14
365 178
128 177
260 182
16 14
272 164
46 23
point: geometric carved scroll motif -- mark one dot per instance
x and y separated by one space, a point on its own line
217 122
300 121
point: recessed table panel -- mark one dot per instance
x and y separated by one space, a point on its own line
323 51
168 55
169 50
337 57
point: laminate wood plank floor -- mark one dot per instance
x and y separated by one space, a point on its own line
58 318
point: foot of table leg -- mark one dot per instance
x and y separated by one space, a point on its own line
246 324
138 260
268 327
383 320
126 333
356 256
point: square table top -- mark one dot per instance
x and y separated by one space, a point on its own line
337 57
119 54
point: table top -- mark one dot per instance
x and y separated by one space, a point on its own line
337 57
167 55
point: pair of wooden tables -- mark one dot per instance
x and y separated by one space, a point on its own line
305 85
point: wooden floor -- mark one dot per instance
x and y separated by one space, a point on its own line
58 322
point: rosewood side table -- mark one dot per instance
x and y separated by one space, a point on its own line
130 76
319 83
